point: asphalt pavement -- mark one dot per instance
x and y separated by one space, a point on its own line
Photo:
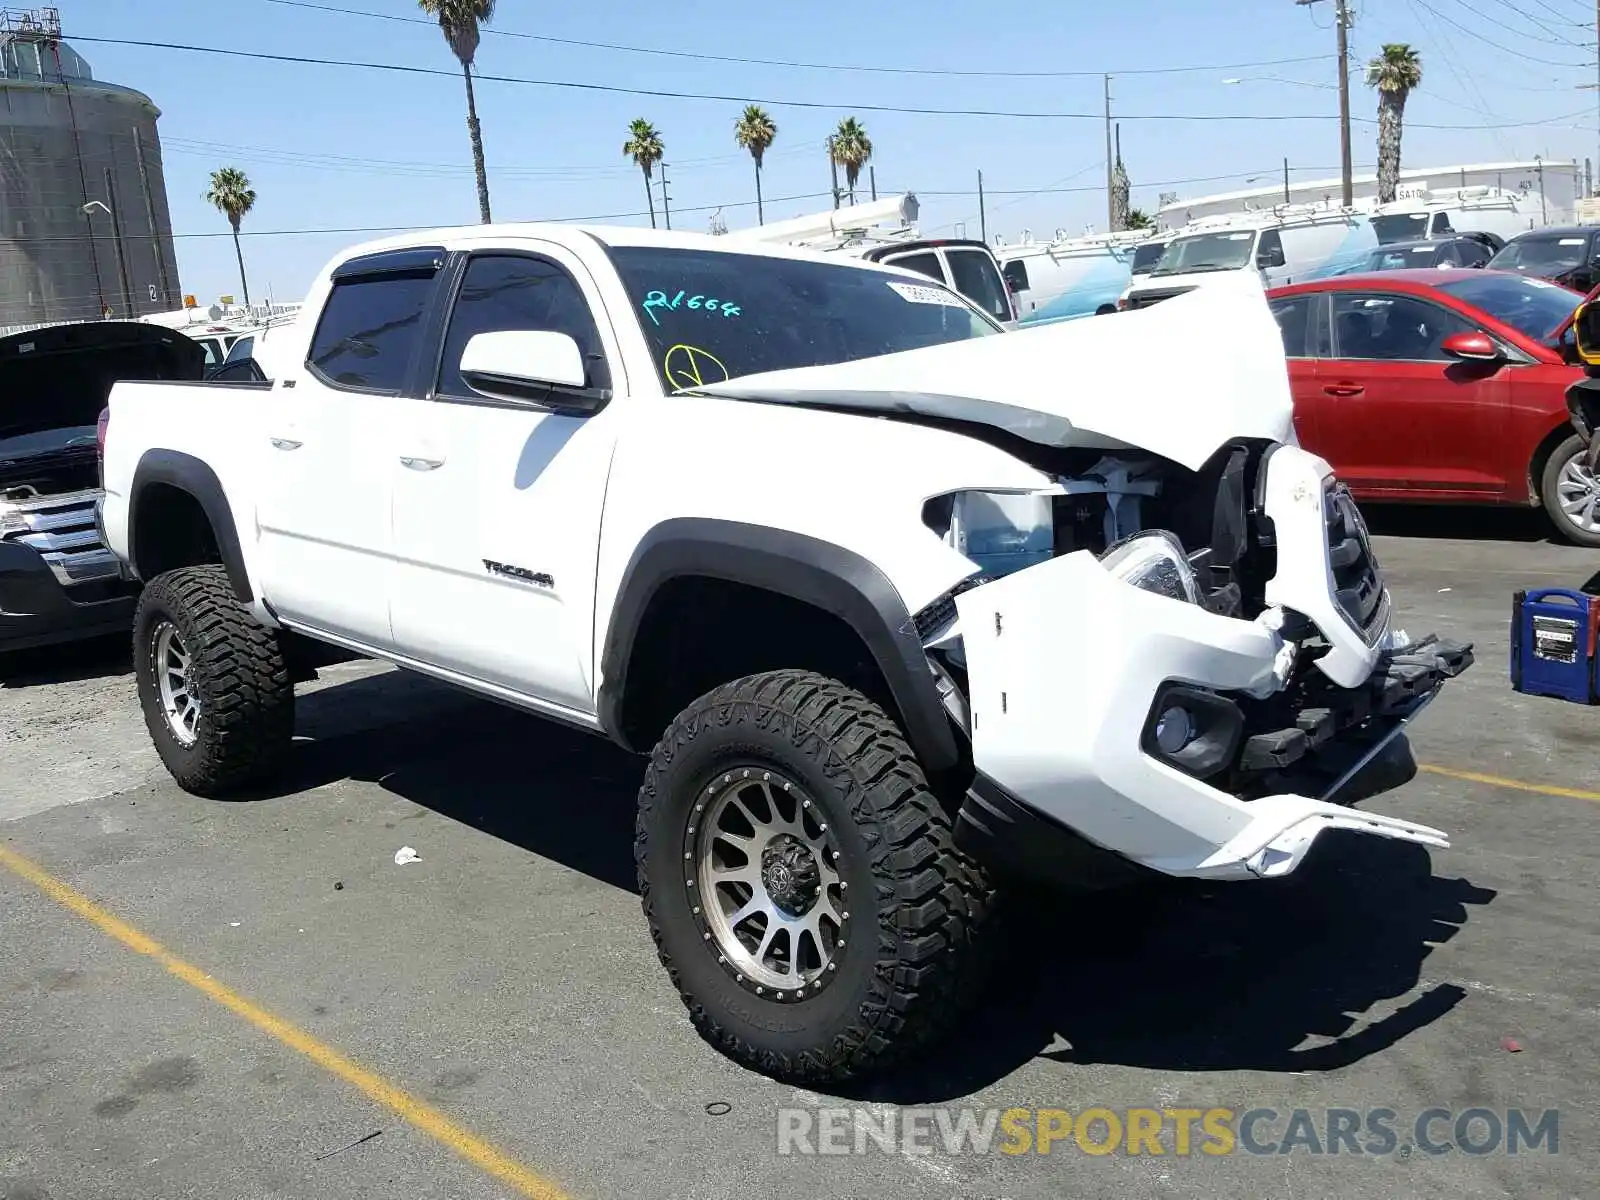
208 999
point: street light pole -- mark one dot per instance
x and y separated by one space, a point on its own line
122 258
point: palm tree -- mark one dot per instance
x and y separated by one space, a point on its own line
459 20
1396 72
755 131
645 148
850 147
233 196
1138 219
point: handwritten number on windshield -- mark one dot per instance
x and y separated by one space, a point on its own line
708 304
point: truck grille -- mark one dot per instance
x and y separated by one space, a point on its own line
1358 585
1149 296
61 528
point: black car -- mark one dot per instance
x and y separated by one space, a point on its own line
58 581
1567 255
1460 250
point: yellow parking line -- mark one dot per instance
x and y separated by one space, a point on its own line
1543 789
429 1120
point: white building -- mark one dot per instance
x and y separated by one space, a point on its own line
1549 191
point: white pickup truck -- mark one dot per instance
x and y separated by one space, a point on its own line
898 605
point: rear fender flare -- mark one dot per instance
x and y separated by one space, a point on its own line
189 474
822 574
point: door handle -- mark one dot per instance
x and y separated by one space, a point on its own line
421 464
286 443
1343 389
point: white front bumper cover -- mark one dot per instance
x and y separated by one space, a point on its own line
1065 662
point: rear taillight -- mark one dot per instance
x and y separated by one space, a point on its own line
100 433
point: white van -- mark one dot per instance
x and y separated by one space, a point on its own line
1287 246
1067 277
1424 215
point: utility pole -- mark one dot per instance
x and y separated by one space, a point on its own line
872 174
666 210
983 220
833 167
1286 173
1597 55
1342 21
1111 200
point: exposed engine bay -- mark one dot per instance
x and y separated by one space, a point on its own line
1204 538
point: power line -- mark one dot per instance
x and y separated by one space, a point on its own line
490 31
343 162
1499 24
1543 22
306 60
588 218
1548 62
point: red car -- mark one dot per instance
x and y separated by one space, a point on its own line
1441 386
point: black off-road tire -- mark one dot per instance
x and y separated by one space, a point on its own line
1559 457
246 700
918 905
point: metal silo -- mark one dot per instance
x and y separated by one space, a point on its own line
84 223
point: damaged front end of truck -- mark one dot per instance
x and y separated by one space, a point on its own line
1178 655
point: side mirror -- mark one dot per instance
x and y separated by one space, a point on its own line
1586 333
1471 347
536 368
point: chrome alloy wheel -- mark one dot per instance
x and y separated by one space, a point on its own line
173 679
766 882
1578 492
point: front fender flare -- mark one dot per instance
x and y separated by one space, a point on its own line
189 474
820 573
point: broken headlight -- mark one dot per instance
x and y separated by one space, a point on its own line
1154 561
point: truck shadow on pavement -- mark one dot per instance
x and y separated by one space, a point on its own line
1309 973
1312 972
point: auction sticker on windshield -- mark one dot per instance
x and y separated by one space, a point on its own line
918 294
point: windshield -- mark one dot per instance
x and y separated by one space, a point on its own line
1542 256
1146 256
1400 227
1225 251
1400 257
1532 307
711 315
976 278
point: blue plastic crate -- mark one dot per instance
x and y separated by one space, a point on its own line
1553 644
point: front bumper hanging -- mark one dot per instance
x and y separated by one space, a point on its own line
1073 681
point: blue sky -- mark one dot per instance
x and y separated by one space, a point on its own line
337 148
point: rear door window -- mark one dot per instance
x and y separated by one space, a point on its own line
368 330
923 264
1294 316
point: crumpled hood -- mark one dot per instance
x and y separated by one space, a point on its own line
1178 379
